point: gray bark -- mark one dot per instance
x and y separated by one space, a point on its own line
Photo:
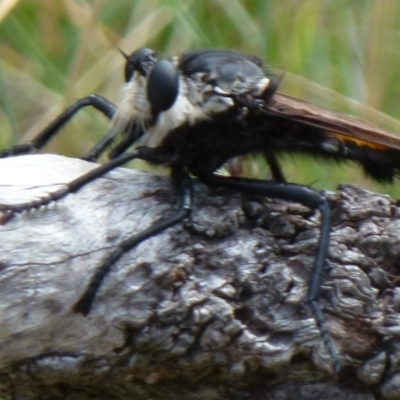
210 309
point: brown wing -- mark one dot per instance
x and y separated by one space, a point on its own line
342 126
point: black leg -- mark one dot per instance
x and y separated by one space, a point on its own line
152 155
100 147
130 135
309 198
122 146
99 103
184 185
10 210
274 166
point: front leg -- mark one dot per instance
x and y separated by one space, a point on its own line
99 103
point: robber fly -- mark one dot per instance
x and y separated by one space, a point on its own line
195 112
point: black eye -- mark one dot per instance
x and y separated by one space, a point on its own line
162 85
139 61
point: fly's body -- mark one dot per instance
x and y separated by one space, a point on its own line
225 105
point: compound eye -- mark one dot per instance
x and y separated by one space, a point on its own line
139 61
162 85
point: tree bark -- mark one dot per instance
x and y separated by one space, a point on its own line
214 308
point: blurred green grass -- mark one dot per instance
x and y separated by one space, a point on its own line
339 54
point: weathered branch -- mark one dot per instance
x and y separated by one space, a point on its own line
214 309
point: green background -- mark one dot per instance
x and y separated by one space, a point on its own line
341 54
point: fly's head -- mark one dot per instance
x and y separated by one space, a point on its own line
161 95
151 88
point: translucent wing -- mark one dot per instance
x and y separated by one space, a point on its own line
342 126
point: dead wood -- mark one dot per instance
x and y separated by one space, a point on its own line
211 309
